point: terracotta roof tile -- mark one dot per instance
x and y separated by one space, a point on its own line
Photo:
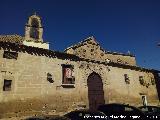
62 55
12 38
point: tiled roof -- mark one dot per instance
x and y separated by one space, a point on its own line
62 55
12 38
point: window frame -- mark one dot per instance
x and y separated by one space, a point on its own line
65 80
5 88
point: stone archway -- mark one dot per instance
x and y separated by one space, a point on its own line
95 91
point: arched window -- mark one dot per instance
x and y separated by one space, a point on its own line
34 33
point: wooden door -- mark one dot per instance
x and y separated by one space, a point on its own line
95 91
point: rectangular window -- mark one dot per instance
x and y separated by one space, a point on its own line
49 78
68 77
10 55
7 85
126 78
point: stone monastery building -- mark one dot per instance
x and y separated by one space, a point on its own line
34 78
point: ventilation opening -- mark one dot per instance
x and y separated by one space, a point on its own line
49 78
10 55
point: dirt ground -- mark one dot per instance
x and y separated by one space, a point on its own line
23 116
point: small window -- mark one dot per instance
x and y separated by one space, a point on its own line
126 78
49 78
7 85
68 77
10 55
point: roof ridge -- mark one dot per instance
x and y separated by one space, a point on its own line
105 51
81 42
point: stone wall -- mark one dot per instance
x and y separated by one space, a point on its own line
131 93
91 50
30 90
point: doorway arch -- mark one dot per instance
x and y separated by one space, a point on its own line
95 91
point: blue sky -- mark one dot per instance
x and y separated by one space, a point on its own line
118 25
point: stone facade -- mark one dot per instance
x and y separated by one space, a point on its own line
30 90
90 49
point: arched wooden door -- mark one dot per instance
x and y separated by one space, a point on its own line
95 91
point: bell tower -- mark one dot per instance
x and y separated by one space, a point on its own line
34 33
34 29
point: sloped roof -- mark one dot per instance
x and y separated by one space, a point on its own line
84 42
12 38
61 55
